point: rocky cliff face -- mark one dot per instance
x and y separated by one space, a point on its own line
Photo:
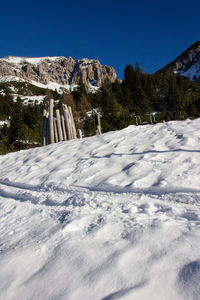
56 71
187 64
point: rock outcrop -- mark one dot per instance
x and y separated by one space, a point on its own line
187 64
63 71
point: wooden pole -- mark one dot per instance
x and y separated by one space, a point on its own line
67 121
99 123
80 134
47 128
51 121
55 130
72 121
140 120
151 121
63 128
44 128
59 127
71 124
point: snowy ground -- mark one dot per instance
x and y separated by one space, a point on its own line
30 99
109 217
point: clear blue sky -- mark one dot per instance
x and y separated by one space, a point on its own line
117 32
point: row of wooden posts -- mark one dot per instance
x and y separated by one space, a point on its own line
58 127
152 117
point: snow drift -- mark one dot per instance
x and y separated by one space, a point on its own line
114 216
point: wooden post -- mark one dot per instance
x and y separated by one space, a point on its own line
140 120
60 132
71 124
80 134
63 128
97 121
51 121
55 130
44 128
67 121
47 128
72 121
151 121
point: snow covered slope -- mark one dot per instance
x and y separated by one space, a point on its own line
114 216
31 60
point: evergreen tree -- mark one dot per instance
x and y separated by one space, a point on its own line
174 97
16 121
110 106
129 77
128 100
141 100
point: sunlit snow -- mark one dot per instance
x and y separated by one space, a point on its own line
108 217
31 60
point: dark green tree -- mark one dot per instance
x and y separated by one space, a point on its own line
129 77
174 96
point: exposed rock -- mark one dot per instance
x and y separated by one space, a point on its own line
187 64
61 70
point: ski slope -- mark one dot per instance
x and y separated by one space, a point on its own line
115 216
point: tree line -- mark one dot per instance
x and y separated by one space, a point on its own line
171 95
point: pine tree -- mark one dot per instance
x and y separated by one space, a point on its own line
129 77
110 106
141 100
16 121
128 100
174 97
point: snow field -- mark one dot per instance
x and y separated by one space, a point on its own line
31 60
114 216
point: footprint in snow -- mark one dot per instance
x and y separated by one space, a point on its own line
189 280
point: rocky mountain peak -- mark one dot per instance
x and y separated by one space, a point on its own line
57 71
187 64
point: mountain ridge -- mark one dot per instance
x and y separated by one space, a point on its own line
57 72
187 63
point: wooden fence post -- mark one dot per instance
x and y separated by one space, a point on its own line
47 129
44 128
140 120
97 121
151 121
55 130
73 124
63 128
80 134
67 120
60 132
51 121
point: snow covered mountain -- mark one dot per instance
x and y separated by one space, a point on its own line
115 216
56 72
187 64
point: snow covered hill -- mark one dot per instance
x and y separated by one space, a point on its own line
108 217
